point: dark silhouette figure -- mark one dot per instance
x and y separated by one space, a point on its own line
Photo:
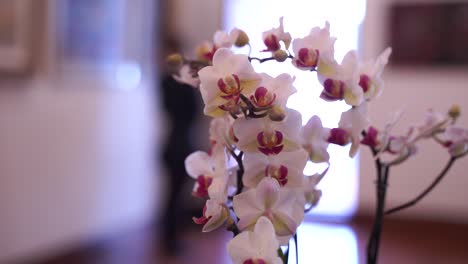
180 103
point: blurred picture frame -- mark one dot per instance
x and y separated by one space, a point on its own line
429 34
15 29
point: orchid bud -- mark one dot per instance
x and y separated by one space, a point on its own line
174 59
454 111
276 114
242 39
280 55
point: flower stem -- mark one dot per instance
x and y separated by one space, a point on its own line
426 191
381 190
297 248
240 171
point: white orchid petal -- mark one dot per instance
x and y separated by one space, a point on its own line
198 163
268 192
246 203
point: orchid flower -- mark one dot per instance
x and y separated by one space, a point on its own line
222 134
287 168
215 211
283 207
205 52
375 139
273 91
268 137
456 140
433 122
221 39
272 38
205 168
370 74
316 49
186 75
354 121
315 140
222 83
311 194
259 246
341 81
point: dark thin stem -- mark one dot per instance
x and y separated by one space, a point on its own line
240 171
283 256
374 240
297 248
381 187
266 59
426 191
261 60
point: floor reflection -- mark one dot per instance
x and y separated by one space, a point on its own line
326 243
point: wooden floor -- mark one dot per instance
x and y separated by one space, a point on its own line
403 242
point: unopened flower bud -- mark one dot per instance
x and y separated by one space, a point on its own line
454 111
242 39
174 59
280 55
276 114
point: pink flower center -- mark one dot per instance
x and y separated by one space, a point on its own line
254 261
201 186
262 97
279 173
339 136
333 90
272 43
365 82
230 88
371 137
270 143
307 58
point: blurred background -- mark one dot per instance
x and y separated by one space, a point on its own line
93 131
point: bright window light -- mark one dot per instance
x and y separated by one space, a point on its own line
345 16
321 243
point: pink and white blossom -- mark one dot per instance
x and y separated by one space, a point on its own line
341 81
259 246
312 195
221 134
370 75
456 140
314 50
269 137
315 140
222 83
215 211
287 168
205 169
433 122
355 121
273 37
222 39
283 207
273 91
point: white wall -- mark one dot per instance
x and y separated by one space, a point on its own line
77 155
74 165
415 90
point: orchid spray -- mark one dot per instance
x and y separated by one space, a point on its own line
252 178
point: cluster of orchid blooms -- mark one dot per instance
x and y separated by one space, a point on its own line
252 177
